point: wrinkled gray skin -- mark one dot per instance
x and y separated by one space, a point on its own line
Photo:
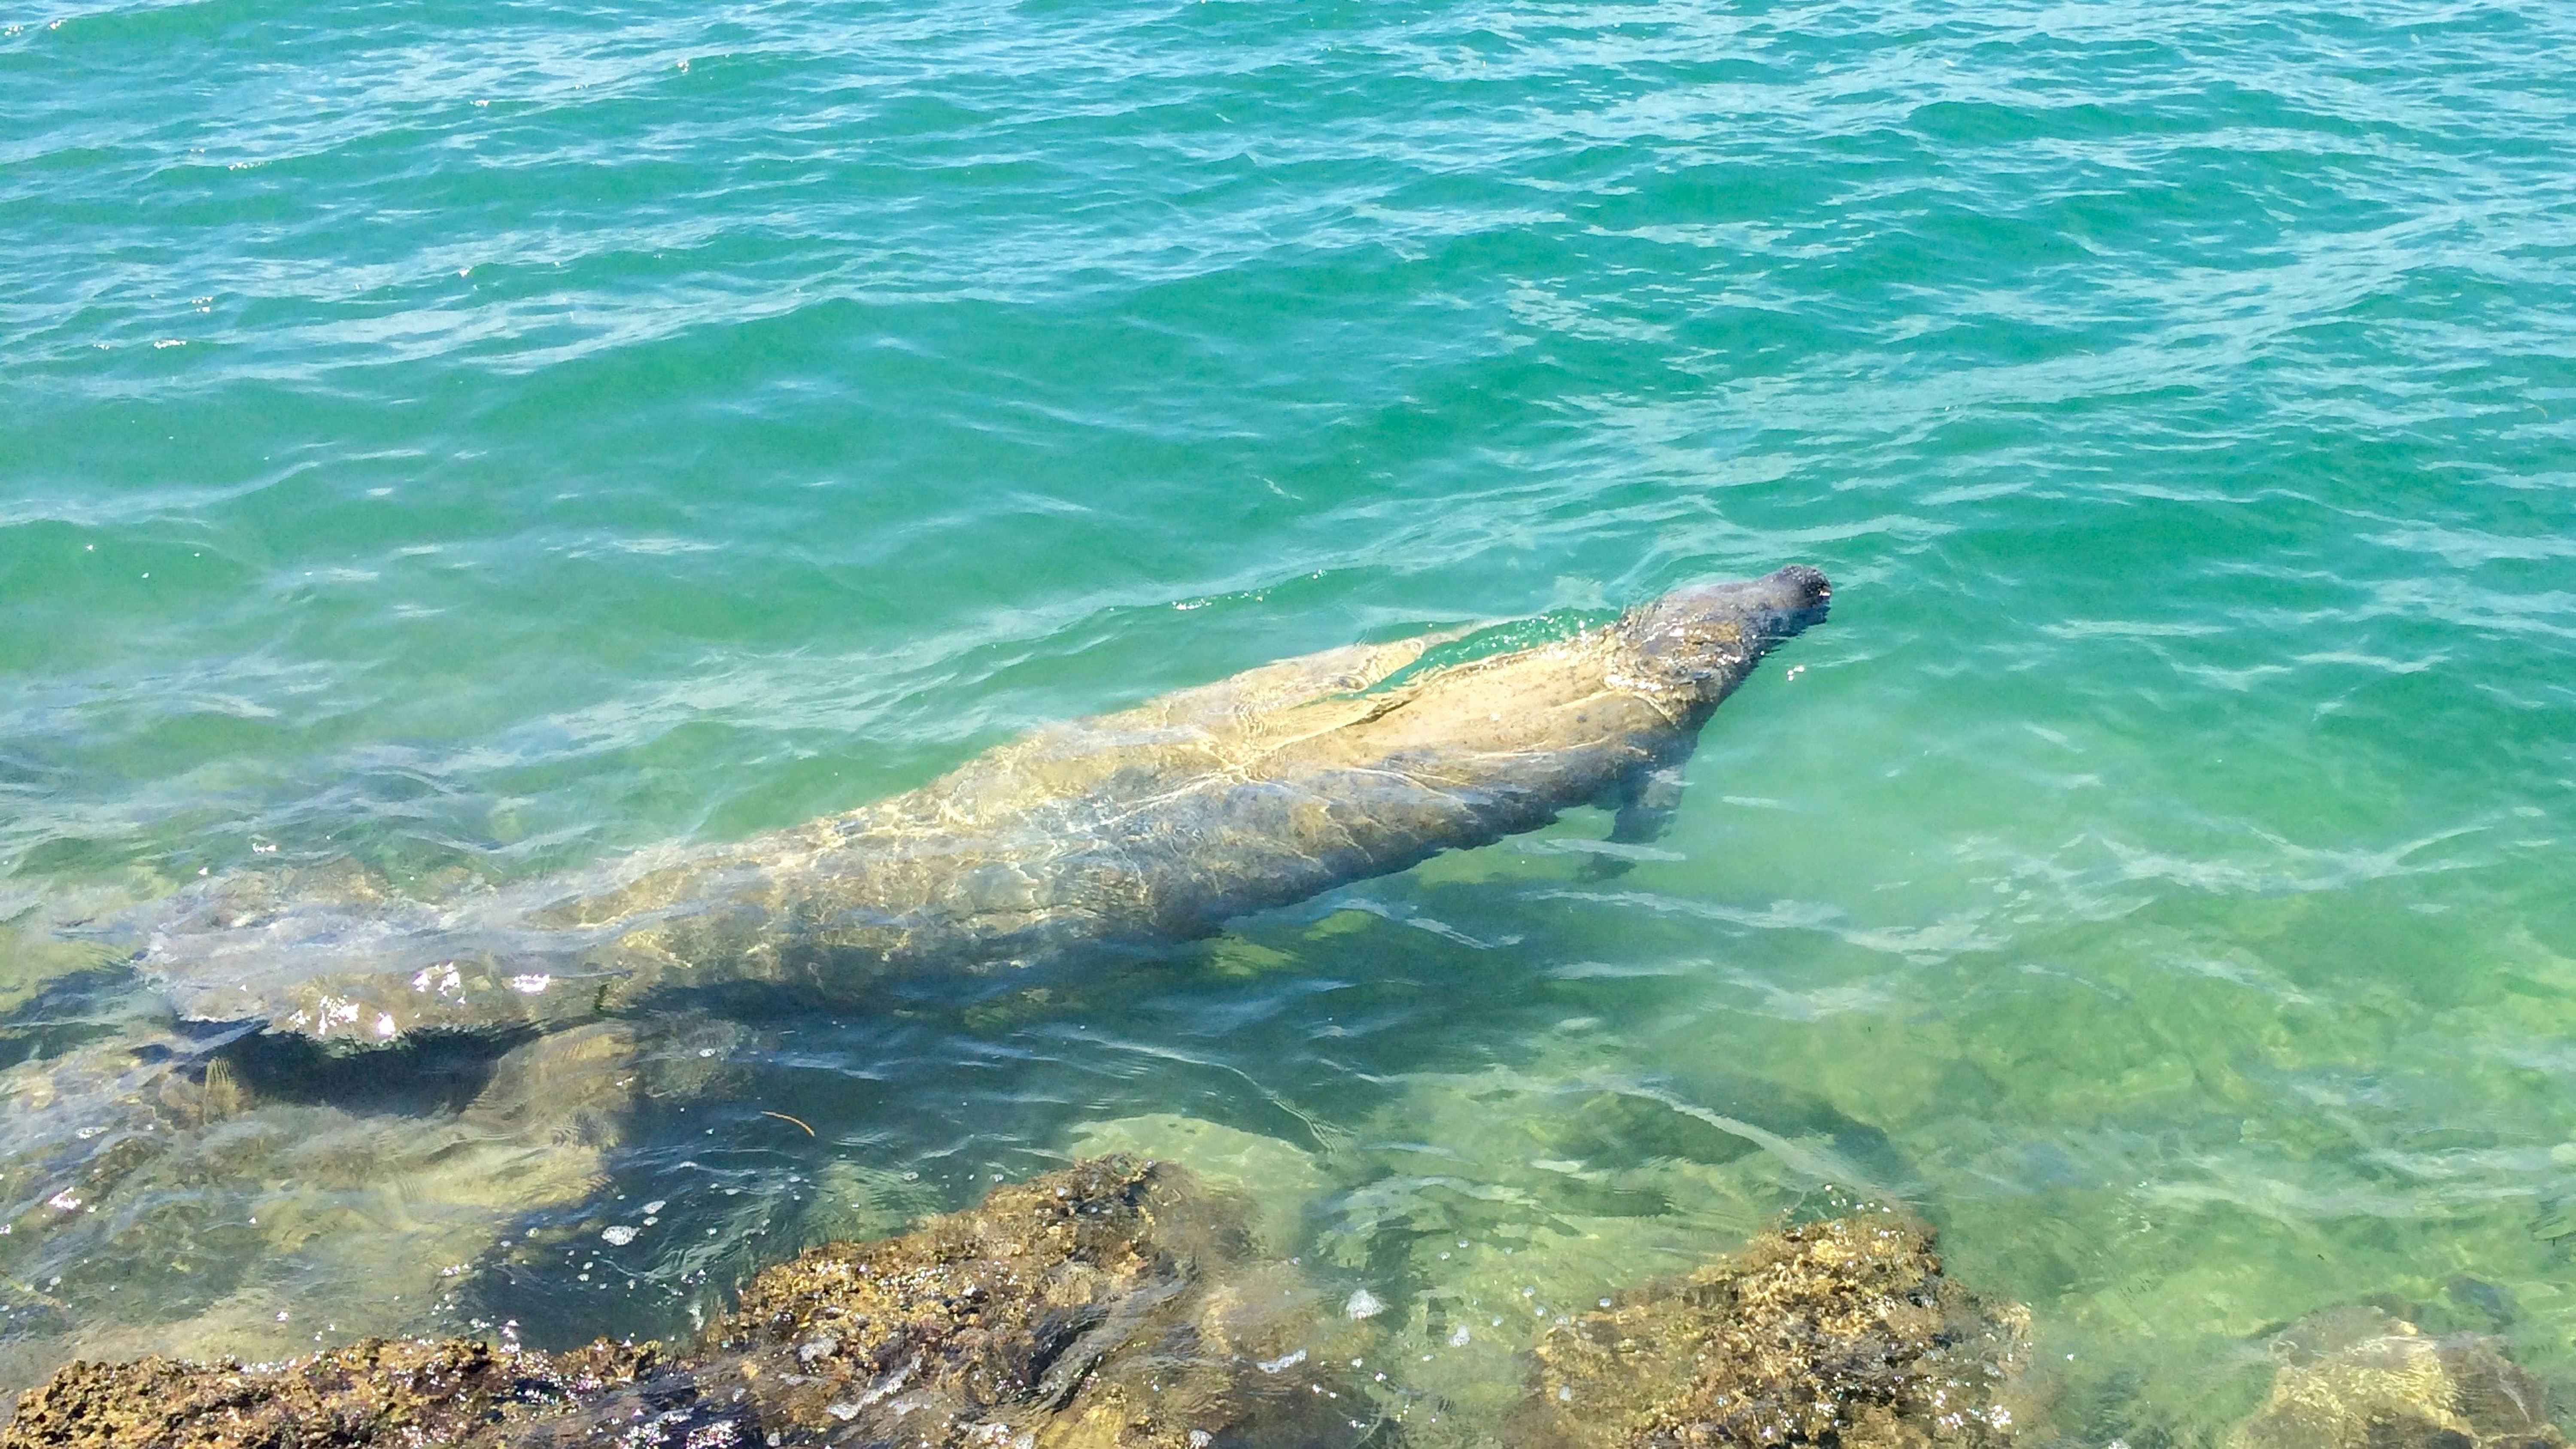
1122 832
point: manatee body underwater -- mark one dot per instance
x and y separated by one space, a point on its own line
1124 832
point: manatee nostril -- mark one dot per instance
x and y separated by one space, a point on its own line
1809 582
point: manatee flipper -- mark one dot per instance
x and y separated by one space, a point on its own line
1648 799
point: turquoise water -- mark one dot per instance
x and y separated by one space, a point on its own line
480 439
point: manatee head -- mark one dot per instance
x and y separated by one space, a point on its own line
1703 639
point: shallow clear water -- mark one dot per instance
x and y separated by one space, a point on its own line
481 439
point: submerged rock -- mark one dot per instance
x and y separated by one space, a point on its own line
1113 1305
204 1208
2359 1378
1550 1186
1281 1179
1837 1333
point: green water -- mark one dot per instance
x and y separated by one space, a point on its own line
478 439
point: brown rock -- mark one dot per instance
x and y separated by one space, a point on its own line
1110 1304
1837 1333
376 1392
2359 1378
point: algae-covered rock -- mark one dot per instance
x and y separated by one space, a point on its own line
1116 1302
978 1309
1113 1305
1837 1333
2360 1378
376 1392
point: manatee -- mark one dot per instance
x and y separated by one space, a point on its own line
1121 833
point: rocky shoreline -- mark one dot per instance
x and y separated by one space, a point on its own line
1120 1302
1125 1303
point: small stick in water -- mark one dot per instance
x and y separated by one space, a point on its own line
783 1117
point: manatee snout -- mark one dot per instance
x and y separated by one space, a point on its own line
1763 611
1789 600
1716 633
